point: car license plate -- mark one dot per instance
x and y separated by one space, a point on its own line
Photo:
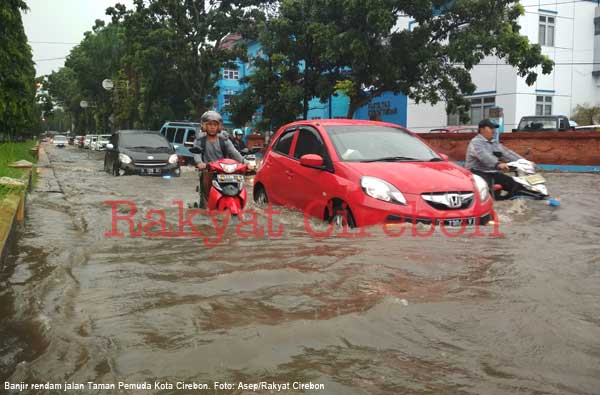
470 221
151 171
535 179
229 177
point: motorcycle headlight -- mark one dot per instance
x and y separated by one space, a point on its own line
228 167
173 158
124 159
482 187
381 190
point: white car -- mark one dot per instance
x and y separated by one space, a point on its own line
89 140
100 143
60 141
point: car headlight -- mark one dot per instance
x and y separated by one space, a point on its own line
124 159
228 167
482 187
173 158
381 190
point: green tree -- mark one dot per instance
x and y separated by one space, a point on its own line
177 45
587 115
359 45
17 72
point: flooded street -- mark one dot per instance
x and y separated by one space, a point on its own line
359 315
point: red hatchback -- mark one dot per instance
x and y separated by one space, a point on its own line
365 173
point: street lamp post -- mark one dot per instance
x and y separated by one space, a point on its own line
109 85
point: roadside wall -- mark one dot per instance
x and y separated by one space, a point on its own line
557 148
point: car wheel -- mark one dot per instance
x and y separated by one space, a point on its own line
260 197
342 216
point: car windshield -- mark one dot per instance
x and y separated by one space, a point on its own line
537 123
368 143
56 138
143 141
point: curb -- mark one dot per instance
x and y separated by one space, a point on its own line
12 212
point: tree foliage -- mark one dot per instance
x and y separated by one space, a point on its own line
587 115
17 72
359 45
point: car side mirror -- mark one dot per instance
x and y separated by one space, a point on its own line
312 160
195 150
109 146
444 157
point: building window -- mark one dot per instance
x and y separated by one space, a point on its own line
227 97
597 26
543 105
480 109
546 32
231 74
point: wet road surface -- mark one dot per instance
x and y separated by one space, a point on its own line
362 315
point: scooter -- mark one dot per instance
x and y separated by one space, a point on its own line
223 186
533 185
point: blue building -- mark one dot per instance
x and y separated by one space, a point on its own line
388 107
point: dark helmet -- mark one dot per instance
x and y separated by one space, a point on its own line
211 116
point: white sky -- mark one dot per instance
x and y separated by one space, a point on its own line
62 21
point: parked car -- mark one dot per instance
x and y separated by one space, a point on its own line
89 140
100 143
181 135
456 129
543 123
364 172
141 152
60 141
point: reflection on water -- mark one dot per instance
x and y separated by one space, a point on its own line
376 315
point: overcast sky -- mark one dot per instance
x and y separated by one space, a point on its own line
60 21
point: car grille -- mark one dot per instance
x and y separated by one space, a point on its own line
150 163
449 200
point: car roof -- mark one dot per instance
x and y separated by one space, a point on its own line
136 131
181 123
342 122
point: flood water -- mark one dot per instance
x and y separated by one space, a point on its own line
518 313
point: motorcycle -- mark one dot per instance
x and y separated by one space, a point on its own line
250 157
533 185
223 186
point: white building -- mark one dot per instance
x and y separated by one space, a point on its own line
569 32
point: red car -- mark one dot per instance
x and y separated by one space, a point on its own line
364 172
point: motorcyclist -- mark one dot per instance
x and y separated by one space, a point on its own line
238 140
487 158
213 145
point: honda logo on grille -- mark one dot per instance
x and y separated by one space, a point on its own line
454 200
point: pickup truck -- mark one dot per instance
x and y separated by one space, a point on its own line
543 123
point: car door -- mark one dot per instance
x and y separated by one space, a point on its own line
278 182
312 186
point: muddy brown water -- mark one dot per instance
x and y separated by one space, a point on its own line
362 315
